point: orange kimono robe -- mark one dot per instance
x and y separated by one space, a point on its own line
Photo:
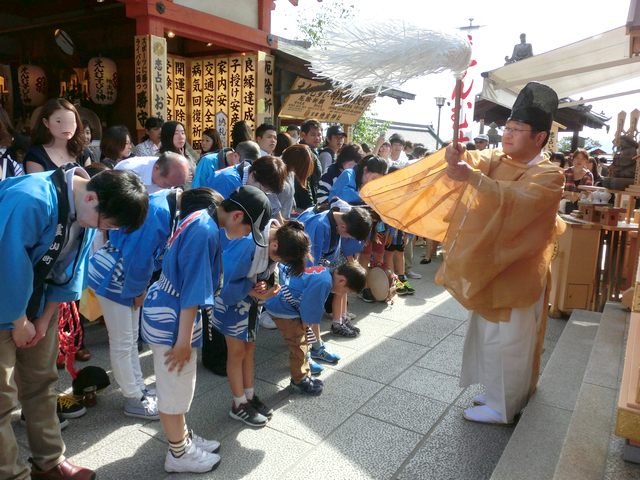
497 229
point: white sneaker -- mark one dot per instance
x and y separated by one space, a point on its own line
212 446
350 315
266 321
486 415
412 274
194 460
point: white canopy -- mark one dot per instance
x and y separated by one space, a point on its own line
582 66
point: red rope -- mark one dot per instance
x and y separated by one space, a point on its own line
69 335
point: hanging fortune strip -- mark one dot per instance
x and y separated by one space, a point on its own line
382 55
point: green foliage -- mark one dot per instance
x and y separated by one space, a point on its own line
367 129
313 26
564 144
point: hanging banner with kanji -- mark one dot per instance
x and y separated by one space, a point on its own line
235 89
158 98
264 89
209 94
170 96
141 76
180 92
197 78
249 91
216 92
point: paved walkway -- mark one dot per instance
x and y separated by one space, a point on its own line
392 408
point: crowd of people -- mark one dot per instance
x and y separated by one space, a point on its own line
182 251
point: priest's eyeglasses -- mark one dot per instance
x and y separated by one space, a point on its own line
516 130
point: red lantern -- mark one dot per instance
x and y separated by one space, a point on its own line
32 85
103 80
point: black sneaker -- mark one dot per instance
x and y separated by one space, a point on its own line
308 386
261 407
350 325
366 296
248 414
69 407
341 330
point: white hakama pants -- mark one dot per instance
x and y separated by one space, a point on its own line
500 356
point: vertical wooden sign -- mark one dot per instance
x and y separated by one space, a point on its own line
264 89
209 93
158 97
249 90
235 89
180 90
222 98
197 90
141 74
170 93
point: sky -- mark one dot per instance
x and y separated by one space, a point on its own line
549 24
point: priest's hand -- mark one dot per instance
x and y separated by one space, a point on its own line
457 168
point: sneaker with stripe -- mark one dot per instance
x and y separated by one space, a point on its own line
247 414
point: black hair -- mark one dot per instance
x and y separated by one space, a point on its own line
358 221
419 151
396 138
230 206
216 145
470 146
307 125
270 172
365 148
199 198
559 157
284 141
95 168
149 123
166 137
122 198
373 164
40 135
291 128
351 151
113 142
240 133
263 128
355 275
294 246
153 122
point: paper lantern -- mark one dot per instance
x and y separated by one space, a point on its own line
32 85
103 80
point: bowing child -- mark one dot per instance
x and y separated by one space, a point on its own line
249 279
299 304
171 324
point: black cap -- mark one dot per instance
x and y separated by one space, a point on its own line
255 204
335 130
536 105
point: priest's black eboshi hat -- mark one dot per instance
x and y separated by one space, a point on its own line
536 105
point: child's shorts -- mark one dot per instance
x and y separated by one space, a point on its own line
174 390
397 241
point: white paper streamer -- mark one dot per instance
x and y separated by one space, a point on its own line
385 55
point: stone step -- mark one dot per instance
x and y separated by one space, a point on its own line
584 453
535 445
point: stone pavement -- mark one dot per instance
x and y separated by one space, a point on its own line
392 408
